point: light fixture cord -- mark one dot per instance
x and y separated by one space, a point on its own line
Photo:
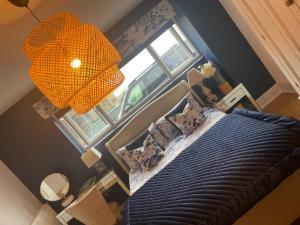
32 13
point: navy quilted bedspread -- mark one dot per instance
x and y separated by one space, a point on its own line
221 175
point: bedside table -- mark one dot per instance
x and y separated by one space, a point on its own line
236 97
102 185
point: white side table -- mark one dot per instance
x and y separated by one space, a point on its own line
102 185
234 97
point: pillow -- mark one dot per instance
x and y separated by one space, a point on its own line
149 155
137 141
163 132
191 117
129 158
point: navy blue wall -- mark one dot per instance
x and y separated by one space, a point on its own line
33 148
220 38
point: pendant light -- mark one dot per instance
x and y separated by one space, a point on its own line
73 64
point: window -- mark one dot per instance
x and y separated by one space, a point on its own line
145 75
89 126
173 55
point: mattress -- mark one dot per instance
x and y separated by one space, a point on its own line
221 175
138 178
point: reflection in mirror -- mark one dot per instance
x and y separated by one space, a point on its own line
55 187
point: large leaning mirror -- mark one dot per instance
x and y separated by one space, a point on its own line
55 187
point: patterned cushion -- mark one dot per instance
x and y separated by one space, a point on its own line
190 118
149 156
163 132
128 157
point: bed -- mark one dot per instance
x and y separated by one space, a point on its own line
238 168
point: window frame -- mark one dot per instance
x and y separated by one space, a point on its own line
80 133
69 129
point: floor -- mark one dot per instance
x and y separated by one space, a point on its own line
286 104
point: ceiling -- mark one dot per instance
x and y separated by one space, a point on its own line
16 23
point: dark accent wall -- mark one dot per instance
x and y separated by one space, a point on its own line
33 148
224 40
196 39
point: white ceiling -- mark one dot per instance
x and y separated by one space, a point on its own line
16 23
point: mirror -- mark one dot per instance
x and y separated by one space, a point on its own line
55 187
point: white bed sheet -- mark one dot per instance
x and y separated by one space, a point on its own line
138 178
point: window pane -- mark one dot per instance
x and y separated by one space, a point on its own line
171 52
142 77
136 94
88 125
184 38
111 105
71 133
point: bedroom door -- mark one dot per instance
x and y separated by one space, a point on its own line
277 24
280 28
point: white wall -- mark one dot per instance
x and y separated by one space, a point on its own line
18 206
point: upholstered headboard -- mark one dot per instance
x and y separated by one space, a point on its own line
144 118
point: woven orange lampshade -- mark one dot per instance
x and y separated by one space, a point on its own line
73 64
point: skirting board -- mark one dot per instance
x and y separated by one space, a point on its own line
286 88
273 93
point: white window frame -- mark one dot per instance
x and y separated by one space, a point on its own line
72 131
